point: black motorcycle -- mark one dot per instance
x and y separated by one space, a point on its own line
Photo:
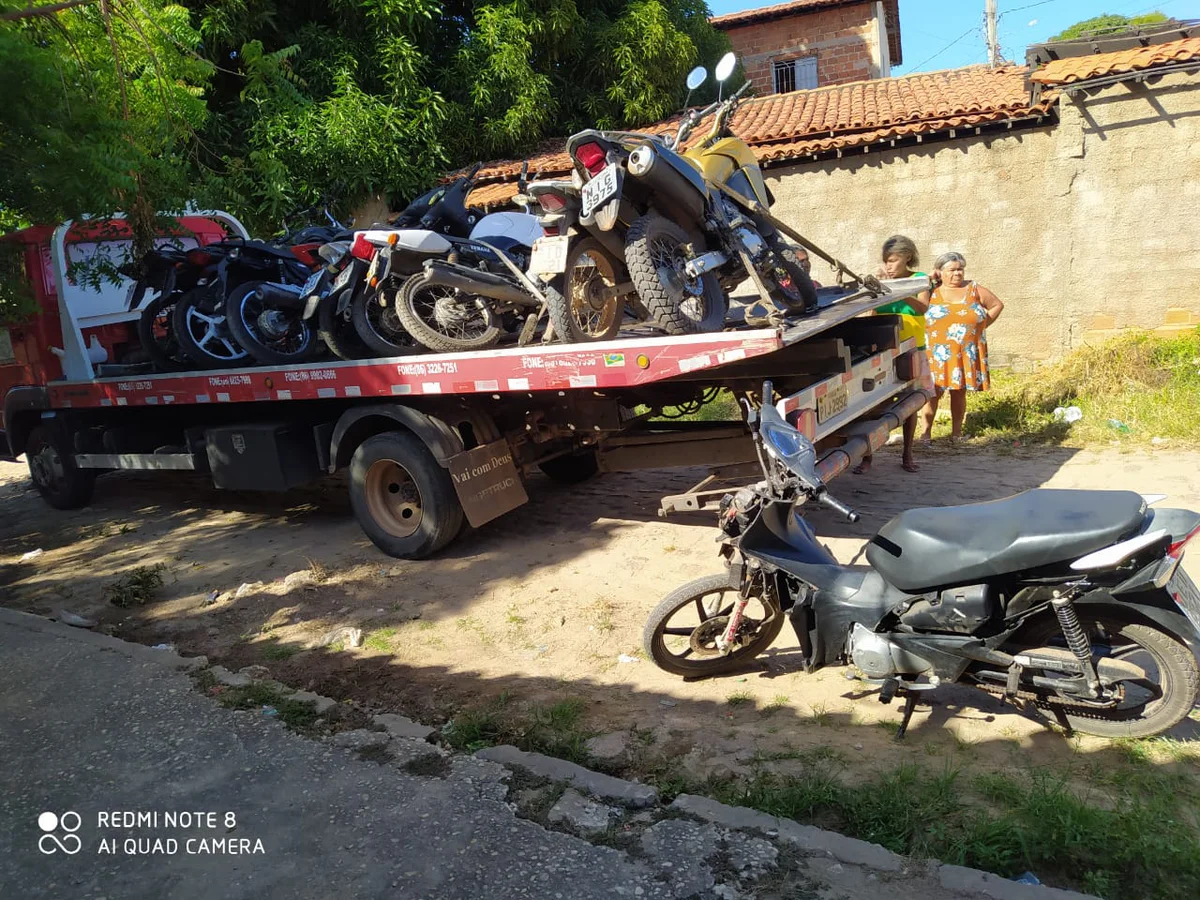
166 272
1071 603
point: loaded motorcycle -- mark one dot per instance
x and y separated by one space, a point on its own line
695 222
209 274
1072 603
448 291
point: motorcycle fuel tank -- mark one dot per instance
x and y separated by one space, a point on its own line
730 161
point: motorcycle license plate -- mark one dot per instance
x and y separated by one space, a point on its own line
835 401
313 280
549 255
375 260
600 190
343 278
1186 594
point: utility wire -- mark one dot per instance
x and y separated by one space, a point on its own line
970 30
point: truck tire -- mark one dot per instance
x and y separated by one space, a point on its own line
653 255
572 468
402 498
52 468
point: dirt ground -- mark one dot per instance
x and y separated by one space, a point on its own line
544 604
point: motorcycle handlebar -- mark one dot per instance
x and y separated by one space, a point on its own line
826 499
745 87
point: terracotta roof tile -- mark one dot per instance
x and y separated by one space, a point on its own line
746 16
786 126
1100 65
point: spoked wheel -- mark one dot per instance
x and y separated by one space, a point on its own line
678 303
373 314
587 307
1144 708
272 336
681 634
52 469
444 319
793 286
204 335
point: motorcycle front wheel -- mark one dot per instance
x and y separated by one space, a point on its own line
204 336
681 634
1146 708
271 336
584 307
677 303
444 319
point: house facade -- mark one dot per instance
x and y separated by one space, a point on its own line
806 44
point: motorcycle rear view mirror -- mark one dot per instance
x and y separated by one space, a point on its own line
725 67
696 77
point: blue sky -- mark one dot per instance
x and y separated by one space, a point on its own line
945 34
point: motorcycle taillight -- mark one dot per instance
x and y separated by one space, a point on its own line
550 230
362 248
199 257
552 202
591 157
1176 549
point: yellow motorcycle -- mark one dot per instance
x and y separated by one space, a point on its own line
691 220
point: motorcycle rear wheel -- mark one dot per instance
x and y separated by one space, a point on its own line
156 334
246 315
337 331
690 650
794 287
1142 714
445 320
578 310
678 305
378 326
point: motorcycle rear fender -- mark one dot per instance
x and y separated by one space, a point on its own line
1154 606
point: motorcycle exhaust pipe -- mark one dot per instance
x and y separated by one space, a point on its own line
476 282
280 296
663 179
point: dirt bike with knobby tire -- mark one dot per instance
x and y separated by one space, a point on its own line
1072 604
444 319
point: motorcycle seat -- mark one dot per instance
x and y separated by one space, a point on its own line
929 548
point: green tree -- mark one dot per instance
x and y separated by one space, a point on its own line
104 101
1107 24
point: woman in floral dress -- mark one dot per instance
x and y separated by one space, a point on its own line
959 313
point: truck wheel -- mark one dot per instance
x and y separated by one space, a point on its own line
572 468
402 498
678 304
61 483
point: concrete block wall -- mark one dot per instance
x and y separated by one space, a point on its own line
845 40
1082 228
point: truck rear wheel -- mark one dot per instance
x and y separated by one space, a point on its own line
61 483
402 498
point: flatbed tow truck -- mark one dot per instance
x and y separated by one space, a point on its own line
433 441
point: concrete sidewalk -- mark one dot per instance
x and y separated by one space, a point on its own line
94 726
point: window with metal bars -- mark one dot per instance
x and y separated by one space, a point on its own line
795 75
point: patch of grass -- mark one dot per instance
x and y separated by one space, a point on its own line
136 587
604 611
277 651
513 617
715 406
739 698
1131 389
554 730
320 572
780 701
380 639
1144 845
821 716
295 714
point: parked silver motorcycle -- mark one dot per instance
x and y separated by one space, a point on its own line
1071 603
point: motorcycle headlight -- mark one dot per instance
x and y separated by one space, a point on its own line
789 446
